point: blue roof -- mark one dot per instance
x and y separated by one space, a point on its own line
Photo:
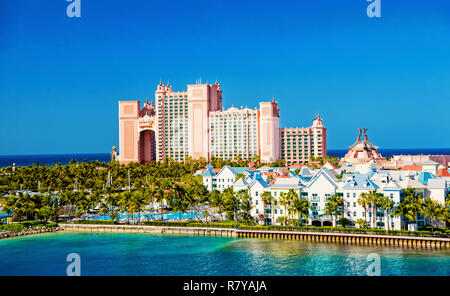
259 179
305 179
253 173
208 173
238 170
424 177
360 181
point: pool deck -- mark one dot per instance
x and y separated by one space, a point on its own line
331 237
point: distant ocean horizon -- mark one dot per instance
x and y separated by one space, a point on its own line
63 159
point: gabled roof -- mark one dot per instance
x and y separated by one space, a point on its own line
323 175
442 172
429 162
305 172
359 181
287 183
411 168
240 183
392 185
234 170
258 179
332 165
424 177
238 170
411 183
208 173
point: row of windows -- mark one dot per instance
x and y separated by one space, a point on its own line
175 96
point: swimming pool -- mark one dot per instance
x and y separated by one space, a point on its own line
153 216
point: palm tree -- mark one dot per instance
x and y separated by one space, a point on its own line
333 207
301 206
245 205
125 203
239 176
231 203
291 195
284 198
267 200
373 198
410 206
361 222
387 204
363 201
216 200
433 210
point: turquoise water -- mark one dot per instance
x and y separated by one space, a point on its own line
149 217
150 254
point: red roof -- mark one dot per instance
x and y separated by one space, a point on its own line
282 176
269 173
296 165
332 165
411 168
443 173
214 170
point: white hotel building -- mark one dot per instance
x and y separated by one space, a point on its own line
319 184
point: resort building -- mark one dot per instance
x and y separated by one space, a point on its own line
318 185
193 123
298 144
363 152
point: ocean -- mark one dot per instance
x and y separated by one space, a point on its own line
181 255
52 159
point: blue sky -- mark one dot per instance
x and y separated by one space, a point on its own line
61 78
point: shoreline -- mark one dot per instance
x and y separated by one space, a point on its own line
30 231
332 237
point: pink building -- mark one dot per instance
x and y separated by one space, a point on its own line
193 123
299 144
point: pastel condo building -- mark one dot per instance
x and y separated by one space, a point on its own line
194 123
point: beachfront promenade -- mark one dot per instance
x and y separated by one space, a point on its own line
325 237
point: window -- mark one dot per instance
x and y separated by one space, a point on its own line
256 202
348 194
354 194
354 214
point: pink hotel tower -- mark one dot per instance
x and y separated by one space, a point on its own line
193 123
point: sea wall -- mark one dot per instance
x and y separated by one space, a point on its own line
150 229
29 231
341 238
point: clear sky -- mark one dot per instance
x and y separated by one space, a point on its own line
61 78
